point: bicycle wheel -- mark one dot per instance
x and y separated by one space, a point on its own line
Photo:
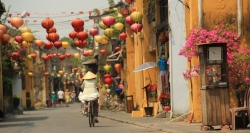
92 113
89 114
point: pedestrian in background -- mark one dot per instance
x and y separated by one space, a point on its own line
53 97
60 95
73 96
67 97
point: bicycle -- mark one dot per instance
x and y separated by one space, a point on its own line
90 113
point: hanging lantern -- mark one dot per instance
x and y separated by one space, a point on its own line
136 27
45 58
72 34
108 20
61 57
106 76
75 69
53 37
109 32
30 74
162 38
117 48
98 38
65 44
102 51
5 39
123 36
125 11
77 23
82 36
136 16
29 57
1 33
48 45
77 55
78 30
27 36
18 39
85 53
104 41
16 22
102 25
25 44
25 29
118 79
129 20
51 30
118 26
3 28
108 81
47 37
61 72
68 55
118 67
58 44
51 55
77 42
129 1
107 68
47 23
46 74
15 55
106 86
93 31
83 44
91 52
33 55
39 43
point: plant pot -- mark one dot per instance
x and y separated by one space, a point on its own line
148 111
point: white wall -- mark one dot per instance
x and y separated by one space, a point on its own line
17 89
178 85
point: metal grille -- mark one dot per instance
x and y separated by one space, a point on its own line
163 10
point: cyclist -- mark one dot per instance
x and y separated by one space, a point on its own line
90 92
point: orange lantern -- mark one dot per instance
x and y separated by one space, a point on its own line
98 38
16 22
25 29
61 72
5 39
30 74
47 23
2 28
51 30
25 44
91 52
39 43
27 36
118 67
82 36
77 23
53 37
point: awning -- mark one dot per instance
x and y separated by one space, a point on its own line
115 57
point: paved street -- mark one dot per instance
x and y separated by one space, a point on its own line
63 120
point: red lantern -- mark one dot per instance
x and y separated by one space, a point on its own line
106 76
78 30
1 33
83 44
58 44
16 22
47 23
39 43
48 45
75 69
53 37
82 36
33 56
15 55
77 43
117 48
2 28
19 39
51 30
108 81
129 20
46 74
123 36
77 23
102 51
47 37
45 58
62 57
5 39
118 67
167 108
85 53
125 11
72 34
51 55
91 52
93 31
136 27
108 20
129 1
68 55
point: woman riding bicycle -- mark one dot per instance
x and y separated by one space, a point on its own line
90 92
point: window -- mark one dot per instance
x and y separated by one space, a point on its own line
163 10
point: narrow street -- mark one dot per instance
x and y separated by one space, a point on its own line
63 120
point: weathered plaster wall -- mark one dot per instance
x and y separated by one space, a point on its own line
179 89
17 89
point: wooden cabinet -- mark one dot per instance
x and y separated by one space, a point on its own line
214 84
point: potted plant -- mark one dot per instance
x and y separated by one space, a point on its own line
16 101
151 96
164 99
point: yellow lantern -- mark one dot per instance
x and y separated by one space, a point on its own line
25 29
65 44
98 38
109 32
77 55
25 44
136 16
104 41
27 36
29 56
30 74
118 26
102 25
61 72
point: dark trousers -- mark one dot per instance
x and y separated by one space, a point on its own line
95 107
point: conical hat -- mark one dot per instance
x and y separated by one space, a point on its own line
89 75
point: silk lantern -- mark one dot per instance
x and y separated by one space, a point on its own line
15 55
51 30
82 36
53 37
129 1
45 58
16 22
18 39
61 72
48 45
104 41
93 31
25 44
85 53
123 36
75 69
46 74
47 23
61 57
33 55
106 86
102 51
118 67
77 23
25 29
108 20
107 68
91 52
1 33
102 25
136 27
77 55
107 76
58 44
29 57
68 55
51 55
109 32
162 38
27 36
65 44
39 43
3 28
72 34
98 38
136 16
30 74
108 81
5 39
129 20
118 26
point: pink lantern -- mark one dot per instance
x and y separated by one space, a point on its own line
129 20
136 27
108 20
19 39
93 31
